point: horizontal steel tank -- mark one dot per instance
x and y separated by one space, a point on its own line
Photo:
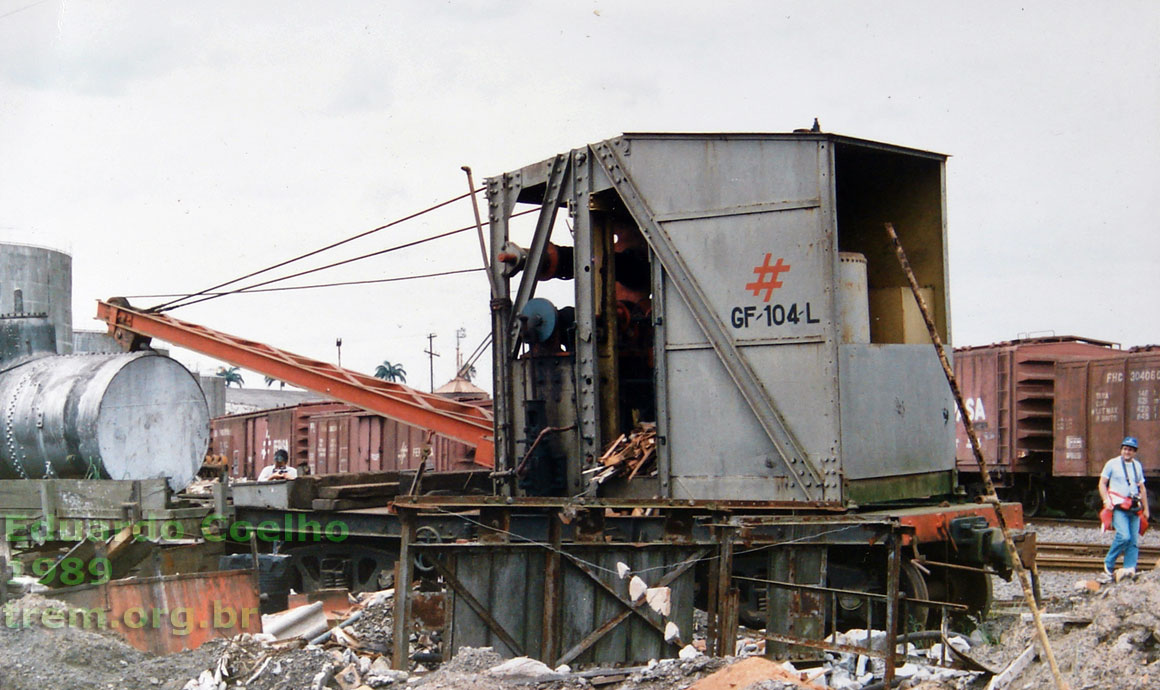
114 416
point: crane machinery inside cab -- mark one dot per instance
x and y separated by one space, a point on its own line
735 293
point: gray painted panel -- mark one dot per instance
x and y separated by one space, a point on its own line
743 172
733 250
720 449
894 401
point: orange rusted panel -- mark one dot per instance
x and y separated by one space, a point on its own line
469 424
932 524
163 615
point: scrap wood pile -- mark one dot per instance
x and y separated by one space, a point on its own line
629 455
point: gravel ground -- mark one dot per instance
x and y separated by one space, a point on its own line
1060 585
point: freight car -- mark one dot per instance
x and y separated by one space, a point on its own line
732 402
331 438
1051 410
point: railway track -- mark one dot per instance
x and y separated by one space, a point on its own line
1064 556
1063 522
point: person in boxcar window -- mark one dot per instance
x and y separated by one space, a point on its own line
1123 492
280 469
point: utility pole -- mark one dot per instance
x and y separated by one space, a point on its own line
431 355
459 335
338 344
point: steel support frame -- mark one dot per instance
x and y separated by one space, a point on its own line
588 405
502 194
807 476
495 535
502 530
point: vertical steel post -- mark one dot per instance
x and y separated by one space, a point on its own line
404 573
553 589
587 380
893 568
721 638
501 198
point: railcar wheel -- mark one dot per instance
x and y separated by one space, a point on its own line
913 585
1034 499
354 567
969 588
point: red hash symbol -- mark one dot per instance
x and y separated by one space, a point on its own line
764 272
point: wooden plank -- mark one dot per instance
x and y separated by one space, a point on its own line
480 609
1013 670
350 503
473 571
583 648
380 489
533 607
509 572
643 638
613 646
577 604
81 498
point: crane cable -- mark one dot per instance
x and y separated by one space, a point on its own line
173 304
318 285
205 296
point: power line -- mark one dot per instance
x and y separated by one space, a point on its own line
317 285
169 305
21 9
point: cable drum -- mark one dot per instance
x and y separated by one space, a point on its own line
112 416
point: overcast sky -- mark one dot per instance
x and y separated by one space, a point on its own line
171 146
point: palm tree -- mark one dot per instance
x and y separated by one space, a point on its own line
231 375
270 380
391 372
468 372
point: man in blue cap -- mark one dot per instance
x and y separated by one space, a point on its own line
1122 489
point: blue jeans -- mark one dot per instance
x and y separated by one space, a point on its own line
1127 541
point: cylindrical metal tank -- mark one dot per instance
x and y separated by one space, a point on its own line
38 279
124 416
853 298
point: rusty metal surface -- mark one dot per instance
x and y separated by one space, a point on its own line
1098 403
932 523
1008 389
468 423
675 504
163 615
331 437
352 440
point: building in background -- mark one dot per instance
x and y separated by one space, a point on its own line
38 280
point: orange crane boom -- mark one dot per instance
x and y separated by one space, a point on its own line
133 329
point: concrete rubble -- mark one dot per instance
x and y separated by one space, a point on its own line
1092 631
